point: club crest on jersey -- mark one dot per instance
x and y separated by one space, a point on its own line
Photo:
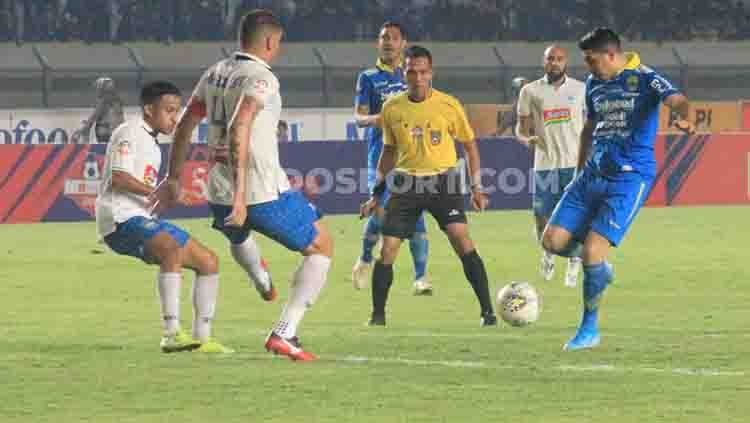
632 83
435 137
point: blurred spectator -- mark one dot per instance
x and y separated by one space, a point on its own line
345 20
7 20
107 114
507 125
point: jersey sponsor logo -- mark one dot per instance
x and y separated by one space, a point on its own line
614 105
387 95
555 116
633 82
150 175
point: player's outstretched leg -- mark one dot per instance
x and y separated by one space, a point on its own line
419 247
247 255
597 275
363 266
205 292
308 281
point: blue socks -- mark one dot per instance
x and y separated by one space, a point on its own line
596 277
419 248
372 233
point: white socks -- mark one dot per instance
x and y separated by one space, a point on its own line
169 295
247 255
308 281
205 290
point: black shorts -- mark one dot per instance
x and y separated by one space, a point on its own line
442 195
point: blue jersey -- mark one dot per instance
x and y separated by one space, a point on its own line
374 87
625 115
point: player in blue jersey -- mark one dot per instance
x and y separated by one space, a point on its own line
374 87
616 166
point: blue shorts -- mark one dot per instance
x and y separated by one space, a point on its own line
288 220
130 236
604 205
549 186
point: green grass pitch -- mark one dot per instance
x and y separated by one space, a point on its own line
80 331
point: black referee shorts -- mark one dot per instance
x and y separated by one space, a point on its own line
441 195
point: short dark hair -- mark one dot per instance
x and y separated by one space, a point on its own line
392 24
416 51
153 91
600 39
255 23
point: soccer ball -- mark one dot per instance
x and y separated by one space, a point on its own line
519 303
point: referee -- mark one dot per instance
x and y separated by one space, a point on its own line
419 157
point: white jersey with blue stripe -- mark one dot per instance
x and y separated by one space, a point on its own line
624 111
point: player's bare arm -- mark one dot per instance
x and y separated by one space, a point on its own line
169 193
523 129
86 125
239 156
194 113
587 138
95 115
386 163
126 183
364 119
679 104
479 199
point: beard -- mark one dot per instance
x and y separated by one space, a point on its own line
556 76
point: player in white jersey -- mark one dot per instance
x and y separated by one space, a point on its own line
553 109
126 223
248 189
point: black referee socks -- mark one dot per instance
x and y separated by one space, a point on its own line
477 276
382 279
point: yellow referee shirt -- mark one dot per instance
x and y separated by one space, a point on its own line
424 133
